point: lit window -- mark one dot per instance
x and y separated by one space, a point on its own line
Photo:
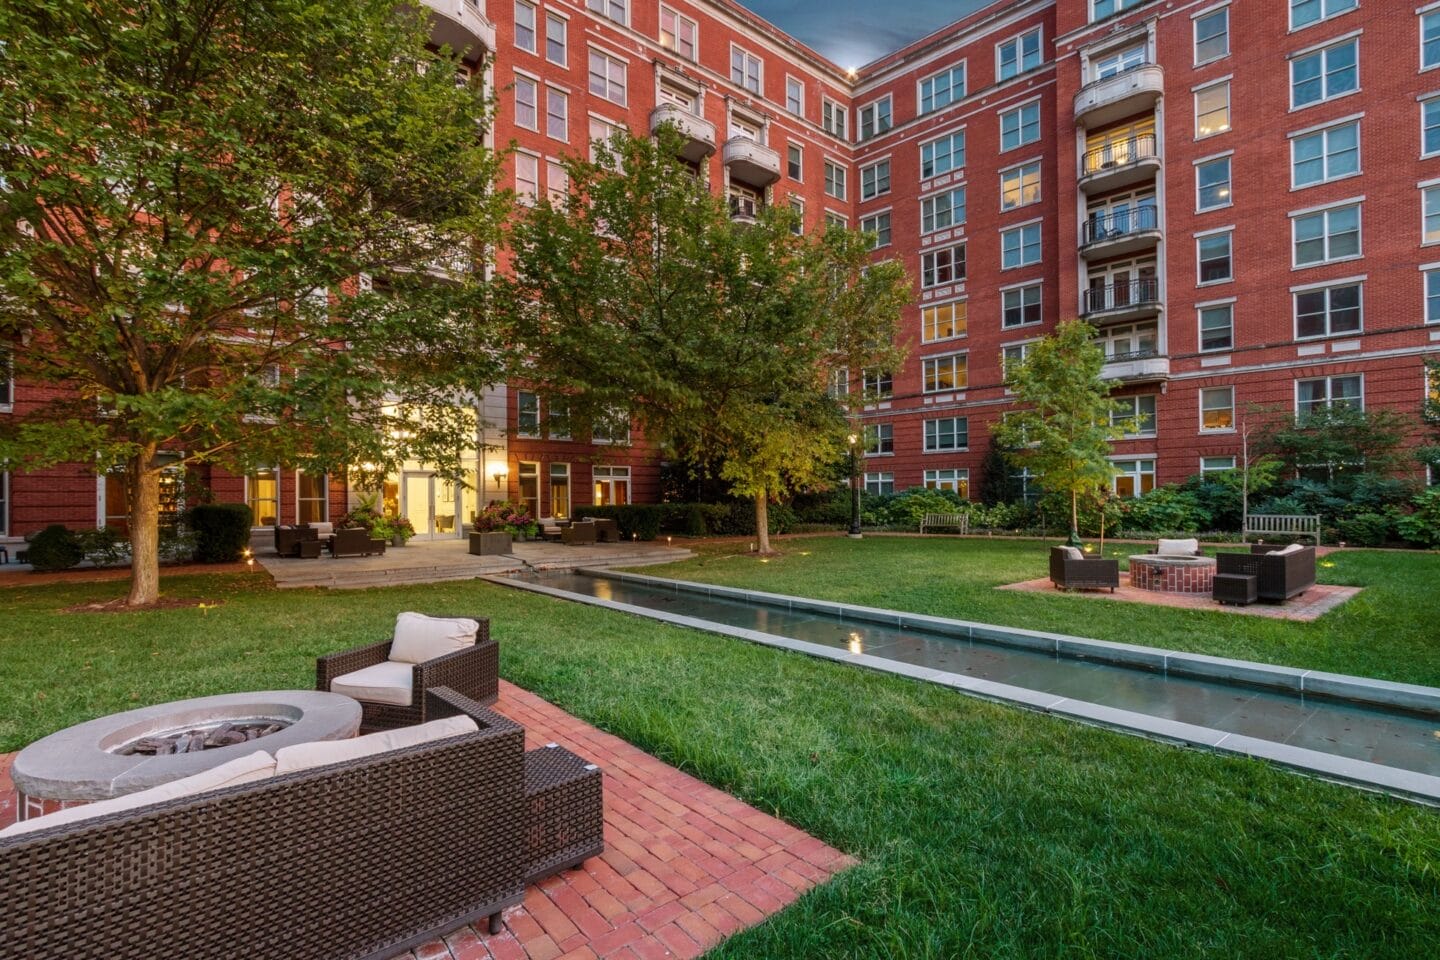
1133 478
1327 235
262 493
944 321
956 480
525 25
1017 55
950 433
942 211
677 33
1020 306
612 485
1213 254
607 77
879 439
1325 74
1325 155
1217 327
312 497
1212 184
1327 312
614 9
1212 110
1020 186
1327 393
557 32
745 69
875 119
1020 246
1212 36
1020 126
878 227
942 266
943 155
527 103
946 373
942 89
874 180
1305 12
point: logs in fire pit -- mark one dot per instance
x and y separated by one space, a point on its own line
225 734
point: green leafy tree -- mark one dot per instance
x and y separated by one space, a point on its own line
191 190
1429 453
641 293
1339 440
1065 419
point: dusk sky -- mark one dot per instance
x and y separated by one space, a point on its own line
854 32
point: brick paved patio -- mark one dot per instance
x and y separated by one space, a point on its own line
686 865
1315 601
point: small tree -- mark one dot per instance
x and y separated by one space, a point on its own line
1066 419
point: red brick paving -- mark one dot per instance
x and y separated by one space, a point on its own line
1315 601
685 865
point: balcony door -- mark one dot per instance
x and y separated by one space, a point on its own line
418 504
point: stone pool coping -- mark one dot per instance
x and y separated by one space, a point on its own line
1412 698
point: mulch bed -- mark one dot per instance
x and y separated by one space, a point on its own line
164 603
28 578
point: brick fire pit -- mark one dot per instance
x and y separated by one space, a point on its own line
1192 575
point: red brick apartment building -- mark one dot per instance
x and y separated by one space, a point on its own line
1239 194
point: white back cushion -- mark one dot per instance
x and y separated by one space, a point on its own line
419 638
323 528
1072 553
1178 548
1292 548
303 756
255 766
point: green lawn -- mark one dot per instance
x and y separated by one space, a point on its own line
984 831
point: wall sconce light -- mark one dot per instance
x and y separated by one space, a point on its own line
499 472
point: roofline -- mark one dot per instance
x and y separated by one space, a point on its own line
896 59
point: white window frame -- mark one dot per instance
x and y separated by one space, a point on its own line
324 498
1323 52
534 26
1020 170
1429 101
1019 111
1324 132
1229 391
1350 5
1430 12
520 194
1200 238
950 141
1021 229
835 175
553 19
606 9
928 435
934 217
933 267
797 85
881 435
1119 6
958 330
1138 474
1329 381
1326 236
884 234
1020 290
680 20
1208 470
834 118
875 190
746 57
1430 303
959 369
1134 400
1429 189
963 68
1200 91
533 82
876 483
609 61
250 494
551 93
1228 157
956 479
520 403
1328 288
1206 14
873 107
1018 42
1228 305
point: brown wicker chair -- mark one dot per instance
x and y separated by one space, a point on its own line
1085 574
355 542
288 539
580 532
1277 577
363 859
473 672
606 530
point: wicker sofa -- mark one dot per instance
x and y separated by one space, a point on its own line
1278 576
579 532
1082 573
359 859
355 542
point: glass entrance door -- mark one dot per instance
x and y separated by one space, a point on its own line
419 503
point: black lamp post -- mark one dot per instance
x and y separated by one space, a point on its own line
854 531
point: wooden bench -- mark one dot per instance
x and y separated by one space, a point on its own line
960 522
1283 524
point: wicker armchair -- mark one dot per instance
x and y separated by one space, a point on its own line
579 532
606 530
1084 574
355 542
473 672
288 539
1277 576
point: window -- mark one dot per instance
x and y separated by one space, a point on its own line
879 439
1212 36
795 96
1305 12
607 77
944 321
1100 9
950 433
611 426
744 69
527 416
1430 41
1213 254
530 487
1327 235
1212 184
1118 61
1325 155
942 89
1133 478
942 266
879 227
879 483
1430 207
557 38
957 480
832 118
1135 414
942 211
946 373
1020 246
614 9
527 177
797 204
875 119
833 219
874 180
834 180
602 132
525 25
876 384
1216 465
795 162
262 493
1017 55
560 490
1212 110
943 155
1329 392
312 500
1217 327
1020 186
1012 354
1326 312
527 103
557 114
612 485
677 33
1020 126
1432 296
839 383
1325 74
1020 306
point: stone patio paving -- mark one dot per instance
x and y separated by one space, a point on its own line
685 865
1315 601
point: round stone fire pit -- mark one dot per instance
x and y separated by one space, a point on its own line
1193 575
88 761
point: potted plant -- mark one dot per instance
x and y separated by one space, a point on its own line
401 530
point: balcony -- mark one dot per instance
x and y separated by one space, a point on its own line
1118 232
462 26
1137 299
698 132
1138 366
743 209
1119 96
751 163
1119 163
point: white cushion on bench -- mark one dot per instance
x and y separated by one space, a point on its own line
1072 553
303 756
419 638
254 766
1293 548
389 682
1178 548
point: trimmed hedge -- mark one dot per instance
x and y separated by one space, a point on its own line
222 531
54 548
646 521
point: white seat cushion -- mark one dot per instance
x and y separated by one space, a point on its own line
1072 553
254 766
388 682
323 528
303 756
1178 548
1292 548
419 638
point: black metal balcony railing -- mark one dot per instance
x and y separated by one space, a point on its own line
743 208
1119 153
1120 223
1126 293
1146 354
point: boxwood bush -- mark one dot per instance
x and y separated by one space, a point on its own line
54 548
222 531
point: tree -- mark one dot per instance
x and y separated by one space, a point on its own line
1065 419
191 190
718 338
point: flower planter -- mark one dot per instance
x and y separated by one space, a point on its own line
489 544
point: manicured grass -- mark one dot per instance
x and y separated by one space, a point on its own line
984 831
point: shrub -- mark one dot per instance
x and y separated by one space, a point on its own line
1368 529
222 531
823 507
55 548
637 521
104 547
1167 509
1423 526
177 543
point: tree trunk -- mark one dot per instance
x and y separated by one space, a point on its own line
143 490
762 522
1074 540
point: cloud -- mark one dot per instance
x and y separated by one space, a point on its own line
854 32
